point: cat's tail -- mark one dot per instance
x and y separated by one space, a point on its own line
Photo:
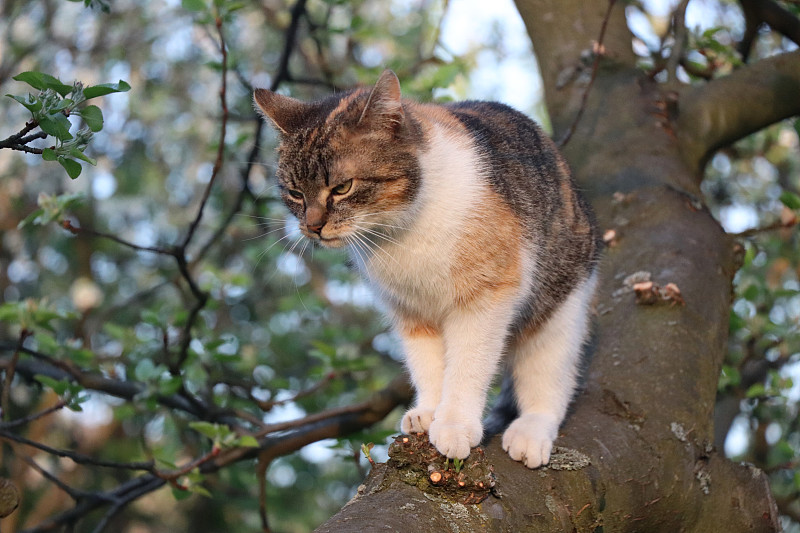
503 412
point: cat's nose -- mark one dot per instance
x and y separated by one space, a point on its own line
315 227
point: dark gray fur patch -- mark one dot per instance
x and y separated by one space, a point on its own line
525 168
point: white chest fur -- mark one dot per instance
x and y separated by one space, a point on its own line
415 268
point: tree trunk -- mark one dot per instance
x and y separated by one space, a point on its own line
644 419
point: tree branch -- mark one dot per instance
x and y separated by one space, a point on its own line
599 52
726 109
337 423
768 12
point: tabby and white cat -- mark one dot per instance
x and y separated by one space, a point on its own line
464 219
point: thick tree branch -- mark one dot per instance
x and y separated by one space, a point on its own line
726 109
757 12
562 34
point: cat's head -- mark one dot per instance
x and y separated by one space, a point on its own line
348 167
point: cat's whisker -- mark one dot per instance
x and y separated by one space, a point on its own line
379 235
367 241
270 247
354 245
264 234
259 217
363 216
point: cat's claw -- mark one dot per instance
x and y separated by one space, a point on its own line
416 420
529 439
455 440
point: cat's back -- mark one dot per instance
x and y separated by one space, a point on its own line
520 162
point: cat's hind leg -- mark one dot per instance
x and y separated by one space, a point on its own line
545 366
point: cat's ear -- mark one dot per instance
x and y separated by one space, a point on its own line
285 112
384 107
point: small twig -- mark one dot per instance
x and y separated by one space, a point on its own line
282 75
180 255
222 130
597 55
79 458
76 230
172 475
10 370
72 493
771 227
261 471
679 35
31 418
16 139
267 405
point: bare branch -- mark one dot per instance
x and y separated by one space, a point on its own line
10 370
679 30
726 109
79 230
333 423
79 458
598 53
757 12
33 417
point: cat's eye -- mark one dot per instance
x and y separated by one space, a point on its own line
297 195
343 188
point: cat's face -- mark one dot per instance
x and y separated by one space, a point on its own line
348 167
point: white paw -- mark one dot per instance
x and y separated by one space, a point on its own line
455 439
530 439
416 420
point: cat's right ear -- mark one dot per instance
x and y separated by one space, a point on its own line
285 112
384 106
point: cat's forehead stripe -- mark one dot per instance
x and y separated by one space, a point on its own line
344 106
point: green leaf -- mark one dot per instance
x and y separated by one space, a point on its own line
30 102
145 370
48 154
42 81
214 432
93 117
77 154
756 390
248 441
170 385
790 200
59 387
10 312
180 494
199 489
56 125
73 168
729 377
30 219
194 5
106 88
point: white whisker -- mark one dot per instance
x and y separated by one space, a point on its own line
262 254
262 235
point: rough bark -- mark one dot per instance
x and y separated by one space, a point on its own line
644 419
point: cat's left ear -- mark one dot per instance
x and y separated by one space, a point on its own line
288 114
384 107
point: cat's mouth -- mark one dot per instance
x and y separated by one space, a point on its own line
327 242
331 242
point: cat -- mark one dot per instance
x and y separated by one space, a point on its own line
465 220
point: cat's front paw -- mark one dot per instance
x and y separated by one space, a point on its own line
455 439
529 439
416 420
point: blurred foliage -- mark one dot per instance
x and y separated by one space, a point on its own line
755 184
286 330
